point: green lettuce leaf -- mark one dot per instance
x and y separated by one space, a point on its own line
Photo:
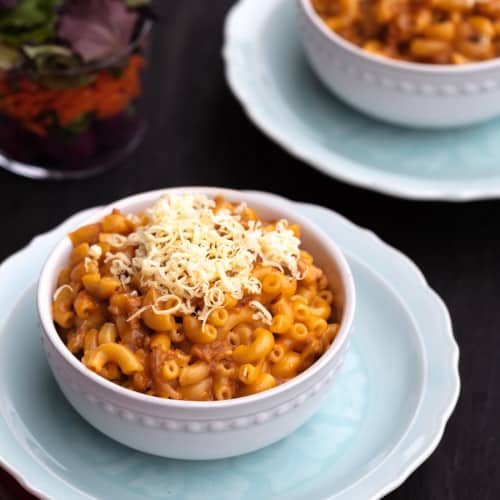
29 20
57 67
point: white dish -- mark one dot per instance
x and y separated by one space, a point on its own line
403 93
201 430
267 70
57 455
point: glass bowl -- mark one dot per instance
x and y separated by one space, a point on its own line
67 123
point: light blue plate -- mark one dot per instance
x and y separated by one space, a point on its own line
384 416
268 72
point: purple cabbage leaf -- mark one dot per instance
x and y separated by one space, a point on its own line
97 29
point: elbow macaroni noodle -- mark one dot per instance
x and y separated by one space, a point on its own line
427 31
127 334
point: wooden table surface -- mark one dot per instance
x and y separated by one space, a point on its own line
199 135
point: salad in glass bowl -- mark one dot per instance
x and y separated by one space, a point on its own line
71 84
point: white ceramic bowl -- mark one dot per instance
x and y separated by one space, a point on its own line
410 94
201 430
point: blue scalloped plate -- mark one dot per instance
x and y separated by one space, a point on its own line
267 71
385 414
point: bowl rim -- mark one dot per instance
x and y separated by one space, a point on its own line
273 201
439 69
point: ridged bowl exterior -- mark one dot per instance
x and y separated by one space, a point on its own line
408 94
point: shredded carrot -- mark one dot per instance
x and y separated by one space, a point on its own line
32 104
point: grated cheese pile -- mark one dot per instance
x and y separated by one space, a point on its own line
188 251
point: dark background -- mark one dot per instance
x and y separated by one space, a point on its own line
199 135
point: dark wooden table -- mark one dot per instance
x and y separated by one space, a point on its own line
199 135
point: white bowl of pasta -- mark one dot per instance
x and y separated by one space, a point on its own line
196 329
432 66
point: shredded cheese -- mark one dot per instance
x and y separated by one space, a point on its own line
113 239
261 314
86 263
59 290
121 266
192 254
95 251
134 219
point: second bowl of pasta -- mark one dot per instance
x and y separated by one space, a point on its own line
417 64
196 323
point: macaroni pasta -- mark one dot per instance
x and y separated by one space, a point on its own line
428 31
120 326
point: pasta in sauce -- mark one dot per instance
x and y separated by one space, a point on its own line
244 329
426 31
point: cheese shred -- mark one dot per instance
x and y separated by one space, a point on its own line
60 289
194 255
261 313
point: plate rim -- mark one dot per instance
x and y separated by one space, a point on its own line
342 168
454 352
437 434
7 262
